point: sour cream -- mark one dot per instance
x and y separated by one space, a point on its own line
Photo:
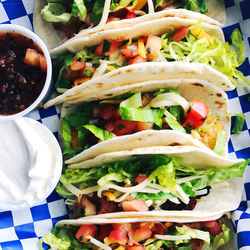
30 163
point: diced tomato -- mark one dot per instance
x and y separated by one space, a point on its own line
107 206
119 236
166 126
33 58
43 63
144 126
72 75
135 205
124 127
76 65
194 225
81 80
130 14
142 234
197 114
136 247
137 59
130 51
110 126
85 231
145 225
213 227
153 47
122 226
158 228
113 18
99 50
104 231
89 208
113 47
140 178
116 113
180 33
196 244
107 112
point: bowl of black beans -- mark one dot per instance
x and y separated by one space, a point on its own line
25 71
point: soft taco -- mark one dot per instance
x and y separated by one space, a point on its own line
64 19
180 181
143 114
110 56
136 234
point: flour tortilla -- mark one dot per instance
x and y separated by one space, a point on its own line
213 96
223 197
142 72
53 38
156 27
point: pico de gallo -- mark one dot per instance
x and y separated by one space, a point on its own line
188 44
134 112
140 184
71 16
140 236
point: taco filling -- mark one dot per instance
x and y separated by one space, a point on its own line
140 236
185 44
140 184
71 16
134 112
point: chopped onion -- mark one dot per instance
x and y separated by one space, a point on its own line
172 237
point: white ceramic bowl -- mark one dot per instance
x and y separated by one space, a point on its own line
47 85
31 163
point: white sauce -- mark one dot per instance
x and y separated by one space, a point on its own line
30 163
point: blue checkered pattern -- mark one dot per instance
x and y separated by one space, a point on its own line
22 229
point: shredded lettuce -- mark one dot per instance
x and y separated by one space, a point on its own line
196 5
110 178
173 124
194 233
54 242
119 4
238 125
101 134
222 238
238 45
131 110
214 53
220 142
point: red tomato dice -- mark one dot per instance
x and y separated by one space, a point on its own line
122 226
85 231
124 127
144 126
158 228
99 50
135 205
180 33
104 231
130 51
142 234
136 247
137 59
119 236
110 126
140 178
153 47
213 227
76 65
106 112
130 14
197 114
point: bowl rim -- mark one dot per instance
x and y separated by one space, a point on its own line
30 34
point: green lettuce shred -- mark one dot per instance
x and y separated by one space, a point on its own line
101 134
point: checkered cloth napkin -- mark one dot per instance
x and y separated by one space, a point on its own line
22 229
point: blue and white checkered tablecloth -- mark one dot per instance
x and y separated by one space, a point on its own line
22 229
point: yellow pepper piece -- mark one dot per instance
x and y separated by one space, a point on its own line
108 241
199 33
141 48
168 224
127 44
140 4
198 200
111 68
110 195
120 248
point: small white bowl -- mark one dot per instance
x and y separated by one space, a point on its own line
31 163
47 85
